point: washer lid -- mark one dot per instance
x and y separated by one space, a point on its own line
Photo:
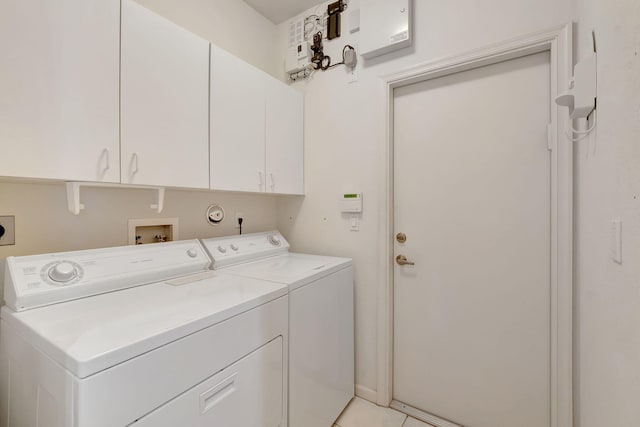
292 269
92 334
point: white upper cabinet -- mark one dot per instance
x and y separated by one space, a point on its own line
164 101
108 91
284 139
59 98
237 124
256 129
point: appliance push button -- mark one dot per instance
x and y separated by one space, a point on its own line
274 240
192 253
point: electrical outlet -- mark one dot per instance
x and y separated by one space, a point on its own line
238 216
7 230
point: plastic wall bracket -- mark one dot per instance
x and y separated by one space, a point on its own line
73 194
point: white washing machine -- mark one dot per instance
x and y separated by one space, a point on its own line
140 336
321 329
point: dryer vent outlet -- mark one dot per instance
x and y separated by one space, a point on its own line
215 214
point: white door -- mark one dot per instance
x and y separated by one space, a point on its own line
284 138
237 124
165 102
59 98
472 195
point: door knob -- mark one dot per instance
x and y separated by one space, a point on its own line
402 260
401 237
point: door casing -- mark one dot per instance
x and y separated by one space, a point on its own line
558 42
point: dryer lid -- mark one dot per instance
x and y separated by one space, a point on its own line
91 334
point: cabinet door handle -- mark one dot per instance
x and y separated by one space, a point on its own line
273 182
106 153
134 164
261 179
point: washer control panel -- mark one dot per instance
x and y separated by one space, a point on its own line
61 273
38 280
231 250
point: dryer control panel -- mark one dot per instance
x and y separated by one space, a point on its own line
232 250
38 280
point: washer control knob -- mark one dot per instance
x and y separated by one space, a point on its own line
63 272
192 253
222 249
234 246
274 240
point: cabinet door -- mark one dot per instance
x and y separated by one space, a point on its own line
237 124
284 139
59 89
165 102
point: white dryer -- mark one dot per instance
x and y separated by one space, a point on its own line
321 329
140 336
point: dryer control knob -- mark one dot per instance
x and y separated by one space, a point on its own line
274 240
222 249
192 253
234 246
63 272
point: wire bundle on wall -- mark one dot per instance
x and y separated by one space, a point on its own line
318 28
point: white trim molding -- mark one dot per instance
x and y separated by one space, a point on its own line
558 42
366 393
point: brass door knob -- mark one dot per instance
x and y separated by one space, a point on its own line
402 260
401 237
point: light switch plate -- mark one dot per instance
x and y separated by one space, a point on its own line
9 225
354 223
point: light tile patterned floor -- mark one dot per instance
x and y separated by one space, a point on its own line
362 413
412 422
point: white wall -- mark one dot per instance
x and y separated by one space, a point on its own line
231 24
344 133
43 223
607 167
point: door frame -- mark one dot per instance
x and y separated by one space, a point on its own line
558 42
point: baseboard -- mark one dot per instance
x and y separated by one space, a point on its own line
366 393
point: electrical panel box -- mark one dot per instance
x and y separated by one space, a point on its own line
385 26
296 32
297 57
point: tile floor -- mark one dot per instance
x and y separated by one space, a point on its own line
362 413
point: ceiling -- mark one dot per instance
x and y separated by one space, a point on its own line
279 11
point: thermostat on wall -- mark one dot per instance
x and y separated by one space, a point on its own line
351 202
